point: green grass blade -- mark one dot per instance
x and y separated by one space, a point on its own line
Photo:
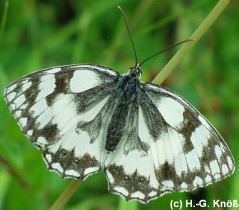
4 19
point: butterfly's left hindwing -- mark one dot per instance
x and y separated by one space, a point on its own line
55 108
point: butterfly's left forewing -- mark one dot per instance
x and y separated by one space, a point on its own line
60 110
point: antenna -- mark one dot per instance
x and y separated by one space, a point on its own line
169 48
125 20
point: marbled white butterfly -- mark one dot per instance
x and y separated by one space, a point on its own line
148 140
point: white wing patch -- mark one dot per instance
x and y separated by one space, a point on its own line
76 86
53 70
175 117
46 86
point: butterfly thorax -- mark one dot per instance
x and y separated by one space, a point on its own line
128 101
132 97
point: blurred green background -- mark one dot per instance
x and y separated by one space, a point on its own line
41 33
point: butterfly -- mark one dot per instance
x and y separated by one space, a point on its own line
148 140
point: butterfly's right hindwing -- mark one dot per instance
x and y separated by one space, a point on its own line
59 109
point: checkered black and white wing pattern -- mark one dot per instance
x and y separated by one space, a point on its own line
174 149
148 140
59 110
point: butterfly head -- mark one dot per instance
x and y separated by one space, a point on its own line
135 71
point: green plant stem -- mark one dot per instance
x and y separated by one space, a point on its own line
65 196
184 50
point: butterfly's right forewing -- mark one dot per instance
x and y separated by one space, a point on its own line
61 110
